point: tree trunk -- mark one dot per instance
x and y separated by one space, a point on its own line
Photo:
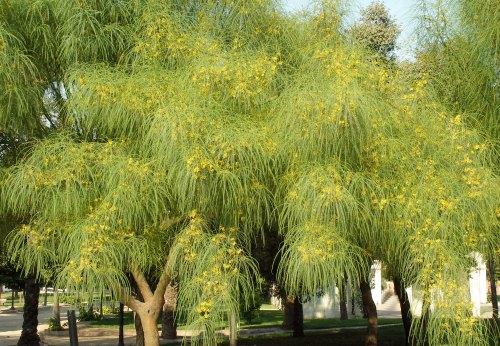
343 300
288 313
29 334
12 307
493 286
404 303
233 330
298 318
371 311
139 330
101 315
150 335
147 305
169 325
56 311
353 303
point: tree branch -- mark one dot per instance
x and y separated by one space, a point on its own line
142 284
159 295
130 301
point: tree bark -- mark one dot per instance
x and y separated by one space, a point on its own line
288 313
101 315
343 300
404 303
298 318
149 327
169 325
233 330
139 331
371 311
147 310
56 310
12 307
29 334
493 286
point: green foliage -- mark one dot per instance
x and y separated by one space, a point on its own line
377 30
250 312
67 299
87 313
184 130
54 324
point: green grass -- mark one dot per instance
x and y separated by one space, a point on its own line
265 318
113 322
387 336
274 318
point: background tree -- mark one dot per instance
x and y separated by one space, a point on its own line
377 31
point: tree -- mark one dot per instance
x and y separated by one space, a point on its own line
377 31
193 127
459 52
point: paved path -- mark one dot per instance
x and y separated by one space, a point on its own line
11 322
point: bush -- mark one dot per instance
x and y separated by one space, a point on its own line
67 299
250 312
87 314
55 324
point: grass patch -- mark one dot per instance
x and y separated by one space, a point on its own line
113 322
387 336
264 319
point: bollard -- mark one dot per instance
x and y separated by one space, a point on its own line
73 335
120 332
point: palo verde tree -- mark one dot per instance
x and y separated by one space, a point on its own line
459 52
148 161
193 126
381 168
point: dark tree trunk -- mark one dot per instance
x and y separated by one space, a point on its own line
121 341
493 286
288 313
29 334
101 315
12 307
298 318
371 311
404 303
343 300
422 336
169 325
353 304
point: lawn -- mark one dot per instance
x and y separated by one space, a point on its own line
265 318
388 336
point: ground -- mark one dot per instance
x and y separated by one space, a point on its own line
340 333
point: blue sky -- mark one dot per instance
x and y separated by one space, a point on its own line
402 10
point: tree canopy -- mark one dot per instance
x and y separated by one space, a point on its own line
178 131
377 30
